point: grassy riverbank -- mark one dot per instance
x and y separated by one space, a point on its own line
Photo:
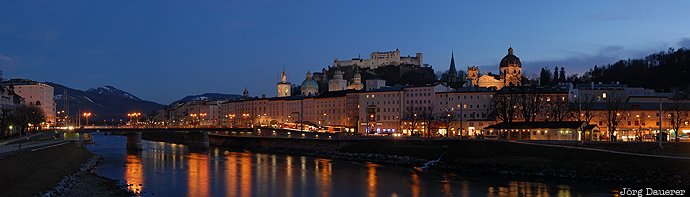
28 173
32 172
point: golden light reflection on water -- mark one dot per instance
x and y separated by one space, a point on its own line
522 188
246 174
231 177
303 170
415 187
447 191
134 173
274 169
197 175
371 179
324 170
284 175
288 176
563 191
465 189
262 175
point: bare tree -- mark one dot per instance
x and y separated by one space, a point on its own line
27 114
558 108
614 112
529 103
641 119
427 118
504 105
677 115
584 106
446 118
411 118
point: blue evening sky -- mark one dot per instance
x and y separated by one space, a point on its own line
164 50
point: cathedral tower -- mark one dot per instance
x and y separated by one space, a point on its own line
283 86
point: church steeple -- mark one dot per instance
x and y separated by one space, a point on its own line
452 72
452 62
283 78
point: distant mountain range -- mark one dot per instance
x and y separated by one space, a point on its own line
112 104
105 103
207 97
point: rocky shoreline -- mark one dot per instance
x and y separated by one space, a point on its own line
84 182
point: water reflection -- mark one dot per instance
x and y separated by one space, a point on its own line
447 191
245 174
164 169
371 178
522 188
197 177
231 177
288 176
415 186
134 175
323 171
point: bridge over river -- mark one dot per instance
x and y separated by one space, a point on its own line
198 138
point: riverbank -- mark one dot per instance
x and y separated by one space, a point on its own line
506 158
33 173
485 157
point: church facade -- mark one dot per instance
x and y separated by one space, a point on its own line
510 74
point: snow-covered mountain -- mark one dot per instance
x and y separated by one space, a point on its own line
112 91
207 97
107 102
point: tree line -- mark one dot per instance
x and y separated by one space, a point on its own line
663 71
17 120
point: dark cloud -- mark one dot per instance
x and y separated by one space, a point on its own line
581 62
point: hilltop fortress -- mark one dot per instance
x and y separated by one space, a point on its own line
379 59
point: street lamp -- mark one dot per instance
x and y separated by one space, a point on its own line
134 115
201 117
231 116
86 116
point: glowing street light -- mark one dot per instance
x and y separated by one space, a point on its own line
86 116
134 115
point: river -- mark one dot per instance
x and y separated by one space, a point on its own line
166 169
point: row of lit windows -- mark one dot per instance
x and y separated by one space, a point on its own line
384 102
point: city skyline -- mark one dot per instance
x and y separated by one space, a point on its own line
200 48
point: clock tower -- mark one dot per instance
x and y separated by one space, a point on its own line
284 86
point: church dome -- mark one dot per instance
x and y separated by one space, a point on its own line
510 60
309 86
